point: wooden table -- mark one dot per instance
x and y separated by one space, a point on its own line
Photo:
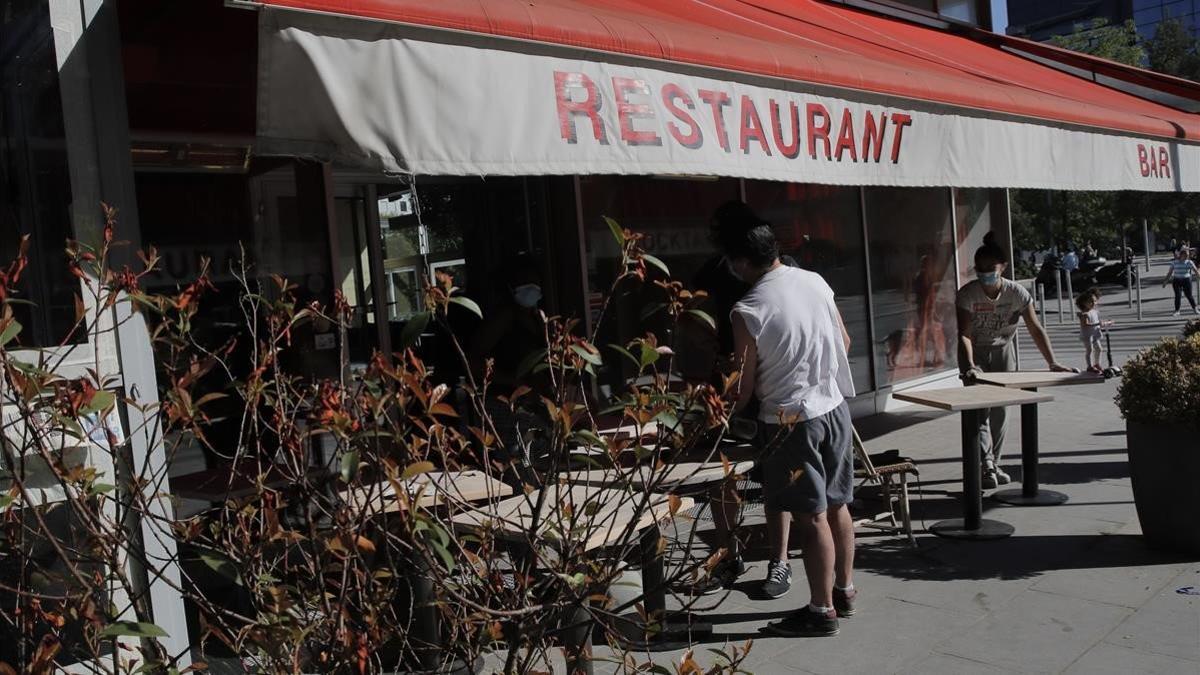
434 488
971 402
1029 494
680 475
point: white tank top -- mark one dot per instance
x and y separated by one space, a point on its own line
802 364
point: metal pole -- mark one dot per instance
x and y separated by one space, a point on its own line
1146 241
1128 275
1041 300
1058 293
1139 299
1070 290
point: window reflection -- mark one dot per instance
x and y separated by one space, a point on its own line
820 227
913 281
973 219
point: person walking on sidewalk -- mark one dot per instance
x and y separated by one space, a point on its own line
989 309
791 345
1180 275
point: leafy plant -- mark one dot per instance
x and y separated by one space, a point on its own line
319 569
1191 328
1161 385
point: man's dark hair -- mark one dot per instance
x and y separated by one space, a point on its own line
740 233
990 253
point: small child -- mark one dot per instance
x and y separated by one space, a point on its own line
1089 327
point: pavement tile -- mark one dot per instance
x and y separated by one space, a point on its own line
1109 659
945 664
1126 586
884 636
1169 624
1036 632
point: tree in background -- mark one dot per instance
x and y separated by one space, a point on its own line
1042 217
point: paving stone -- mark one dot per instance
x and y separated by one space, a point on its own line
1125 586
945 664
1109 659
1169 624
1036 632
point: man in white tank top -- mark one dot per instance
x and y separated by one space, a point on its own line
792 345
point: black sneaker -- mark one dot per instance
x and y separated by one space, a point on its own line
779 579
806 623
989 480
722 577
843 602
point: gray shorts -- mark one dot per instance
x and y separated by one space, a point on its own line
810 468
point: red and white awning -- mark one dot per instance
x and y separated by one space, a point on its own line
800 91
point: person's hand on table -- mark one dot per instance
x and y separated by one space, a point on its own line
971 375
1106 323
1060 368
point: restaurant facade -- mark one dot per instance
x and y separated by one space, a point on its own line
365 146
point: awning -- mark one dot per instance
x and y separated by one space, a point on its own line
778 89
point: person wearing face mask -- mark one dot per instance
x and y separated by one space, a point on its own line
514 329
989 309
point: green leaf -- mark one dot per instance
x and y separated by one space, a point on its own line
587 355
6 501
102 488
349 465
416 469
703 316
668 421
133 628
220 564
589 437
662 266
463 301
617 232
413 329
101 400
10 332
649 355
625 352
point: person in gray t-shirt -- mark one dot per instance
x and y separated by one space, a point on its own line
989 310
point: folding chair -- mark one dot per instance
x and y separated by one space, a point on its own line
889 471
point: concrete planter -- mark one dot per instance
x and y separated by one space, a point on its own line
1164 463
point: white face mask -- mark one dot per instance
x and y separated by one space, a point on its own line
527 295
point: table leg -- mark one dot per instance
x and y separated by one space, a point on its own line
1029 494
972 525
665 631
653 576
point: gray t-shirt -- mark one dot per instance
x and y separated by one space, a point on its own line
993 322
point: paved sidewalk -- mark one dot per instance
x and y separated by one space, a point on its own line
1074 591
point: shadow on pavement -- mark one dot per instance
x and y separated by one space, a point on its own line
1017 557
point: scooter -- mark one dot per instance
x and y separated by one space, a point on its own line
1111 371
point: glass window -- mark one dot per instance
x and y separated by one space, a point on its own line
35 185
673 214
1146 4
1144 17
820 227
973 220
963 10
1175 10
913 280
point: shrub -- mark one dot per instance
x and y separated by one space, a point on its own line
1191 328
1161 385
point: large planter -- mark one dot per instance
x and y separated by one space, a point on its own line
1164 464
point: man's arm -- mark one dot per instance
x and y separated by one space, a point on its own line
745 357
842 325
1043 341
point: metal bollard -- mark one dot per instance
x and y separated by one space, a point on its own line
1040 293
1070 291
1129 283
1139 298
1058 293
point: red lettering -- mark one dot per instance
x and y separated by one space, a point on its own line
873 135
792 150
694 139
569 108
846 138
899 121
752 128
1153 165
717 100
815 131
1164 162
1143 160
627 112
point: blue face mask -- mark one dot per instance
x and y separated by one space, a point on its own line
527 295
988 278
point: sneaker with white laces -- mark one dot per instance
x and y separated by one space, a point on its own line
779 579
1196 310
989 481
1175 314
1001 477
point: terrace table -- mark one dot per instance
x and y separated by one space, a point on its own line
684 476
1029 494
970 402
434 488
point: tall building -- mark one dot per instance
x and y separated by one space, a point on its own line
1043 19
